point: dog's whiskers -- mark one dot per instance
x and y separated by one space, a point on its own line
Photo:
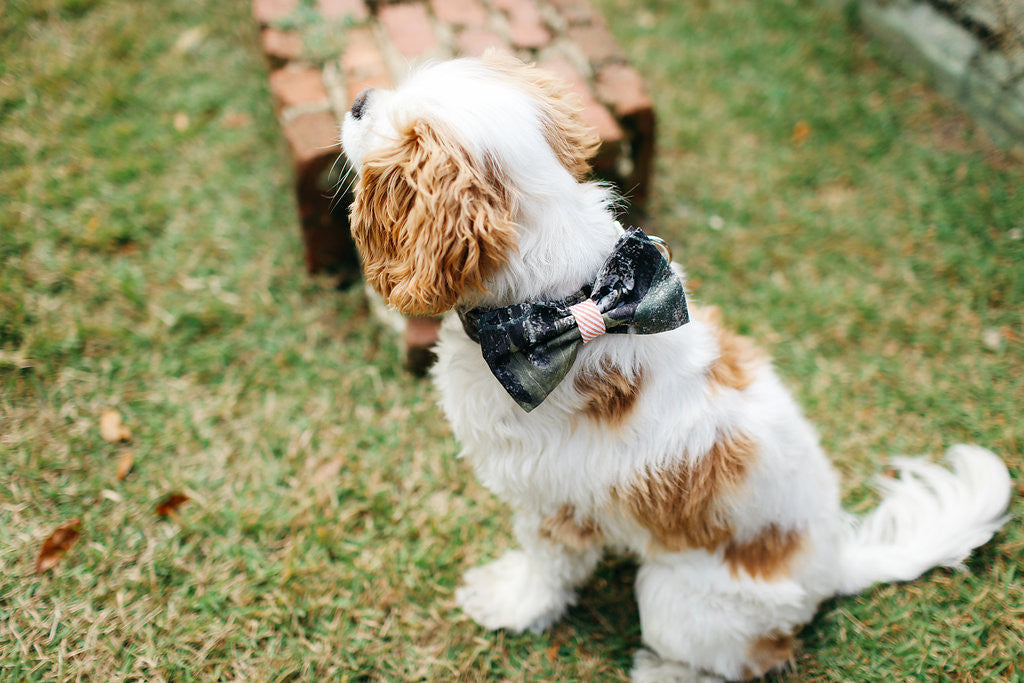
344 183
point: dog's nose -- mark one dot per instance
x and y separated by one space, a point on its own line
359 104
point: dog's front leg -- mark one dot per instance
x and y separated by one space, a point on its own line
530 588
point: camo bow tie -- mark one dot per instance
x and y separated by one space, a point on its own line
531 346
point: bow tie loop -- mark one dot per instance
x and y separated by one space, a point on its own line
589 319
530 347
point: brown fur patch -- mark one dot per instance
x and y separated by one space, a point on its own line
564 528
429 221
610 395
765 556
769 652
738 357
572 140
680 505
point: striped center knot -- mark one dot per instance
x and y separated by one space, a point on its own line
588 318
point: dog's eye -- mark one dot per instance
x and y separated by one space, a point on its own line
359 104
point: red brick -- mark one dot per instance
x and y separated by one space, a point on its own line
597 43
473 42
362 54
576 12
420 336
525 23
421 331
594 113
460 12
269 11
362 63
281 46
295 85
529 35
622 88
409 28
339 9
312 137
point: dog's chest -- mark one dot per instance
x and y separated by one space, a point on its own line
549 456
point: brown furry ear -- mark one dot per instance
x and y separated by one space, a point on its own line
572 140
429 223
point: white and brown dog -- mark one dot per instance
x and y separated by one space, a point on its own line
682 447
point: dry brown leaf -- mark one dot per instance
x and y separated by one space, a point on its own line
835 195
801 131
236 120
190 39
327 471
112 429
993 338
57 543
124 465
170 503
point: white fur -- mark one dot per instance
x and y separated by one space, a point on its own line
695 614
929 517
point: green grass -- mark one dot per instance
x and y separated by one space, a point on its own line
156 268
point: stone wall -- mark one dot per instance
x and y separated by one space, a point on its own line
973 51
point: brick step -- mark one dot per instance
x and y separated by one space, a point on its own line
321 55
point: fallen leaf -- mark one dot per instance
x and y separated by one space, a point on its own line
57 543
236 119
993 338
111 427
124 465
835 195
190 39
170 503
801 131
327 471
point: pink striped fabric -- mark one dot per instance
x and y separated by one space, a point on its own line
589 319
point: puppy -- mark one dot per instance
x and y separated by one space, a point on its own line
601 407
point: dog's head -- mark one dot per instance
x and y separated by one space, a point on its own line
443 163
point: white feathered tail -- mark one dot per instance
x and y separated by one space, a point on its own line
929 517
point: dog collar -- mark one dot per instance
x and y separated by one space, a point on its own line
531 346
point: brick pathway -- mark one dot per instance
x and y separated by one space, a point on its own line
323 53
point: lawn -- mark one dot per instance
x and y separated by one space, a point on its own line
840 212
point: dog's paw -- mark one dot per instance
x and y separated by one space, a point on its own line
511 593
650 668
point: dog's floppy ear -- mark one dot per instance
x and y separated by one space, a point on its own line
429 222
570 138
